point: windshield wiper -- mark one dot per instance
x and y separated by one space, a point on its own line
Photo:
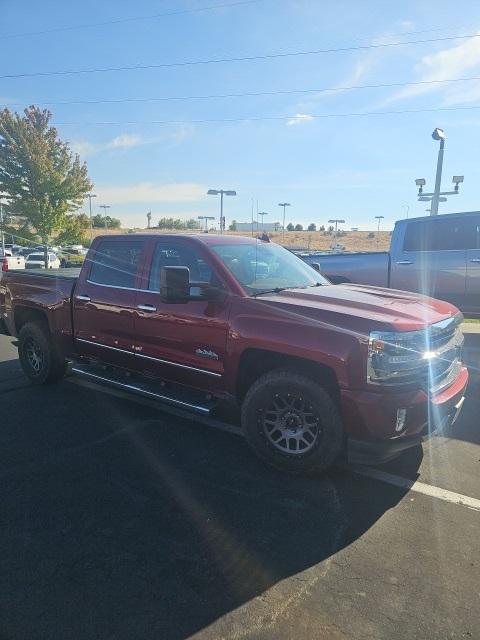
276 290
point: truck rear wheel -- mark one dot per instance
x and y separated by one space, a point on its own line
292 423
40 358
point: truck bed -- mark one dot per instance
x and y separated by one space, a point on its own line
368 267
65 274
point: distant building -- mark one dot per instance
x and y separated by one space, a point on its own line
267 226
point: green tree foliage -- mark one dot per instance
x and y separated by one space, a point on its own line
331 229
290 227
98 222
370 235
192 224
73 231
83 220
312 226
233 226
321 228
298 227
39 175
178 224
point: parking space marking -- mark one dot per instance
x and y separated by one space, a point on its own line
419 487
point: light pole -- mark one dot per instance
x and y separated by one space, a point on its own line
379 218
149 219
284 205
407 207
434 197
90 196
262 213
1 233
221 193
206 218
105 207
337 221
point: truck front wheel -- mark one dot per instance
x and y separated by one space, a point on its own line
40 358
292 423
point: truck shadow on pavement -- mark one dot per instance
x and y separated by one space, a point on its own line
123 522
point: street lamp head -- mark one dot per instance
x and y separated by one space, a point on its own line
420 182
457 179
284 204
212 192
438 134
230 193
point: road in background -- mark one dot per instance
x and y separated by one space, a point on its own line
121 521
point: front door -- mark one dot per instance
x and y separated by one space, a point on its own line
184 342
104 302
472 298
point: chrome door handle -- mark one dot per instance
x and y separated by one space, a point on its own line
475 260
83 298
149 308
404 262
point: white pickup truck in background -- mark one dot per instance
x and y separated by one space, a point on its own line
9 262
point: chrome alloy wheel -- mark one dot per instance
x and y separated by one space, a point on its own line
34 355
290 423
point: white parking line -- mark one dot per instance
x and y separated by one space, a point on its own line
419 487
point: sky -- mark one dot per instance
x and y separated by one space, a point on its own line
305 136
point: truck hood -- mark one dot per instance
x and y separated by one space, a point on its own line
364 305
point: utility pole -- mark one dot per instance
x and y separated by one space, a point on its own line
263 214
221 193
90 196
379 218
337 221
1 225
149 219
105 207
437 196
284 205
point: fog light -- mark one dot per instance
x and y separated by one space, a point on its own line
401 418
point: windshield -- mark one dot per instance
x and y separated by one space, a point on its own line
36 256
265 267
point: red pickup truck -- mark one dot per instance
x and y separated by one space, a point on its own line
316 369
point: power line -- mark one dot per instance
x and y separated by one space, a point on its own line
247 93
310 116
131 19
254 58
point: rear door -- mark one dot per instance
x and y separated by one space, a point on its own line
432 258
104 301
186 342
472 298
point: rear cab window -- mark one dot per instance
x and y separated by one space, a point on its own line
115 263
447 234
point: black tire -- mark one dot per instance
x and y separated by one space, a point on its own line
262 407
40 357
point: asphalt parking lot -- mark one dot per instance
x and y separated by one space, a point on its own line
120 521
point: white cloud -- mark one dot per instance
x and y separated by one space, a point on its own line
300 118
152 193
130 140
459 61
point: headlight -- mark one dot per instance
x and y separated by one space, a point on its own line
397 357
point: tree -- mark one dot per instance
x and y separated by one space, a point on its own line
312 226
83 220
99 221
298 227
331 229
290 227
370 235
192 224
73 231
321 228
39 175
233 226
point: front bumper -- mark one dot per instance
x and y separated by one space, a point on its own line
426 418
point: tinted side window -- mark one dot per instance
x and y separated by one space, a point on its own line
178 255
441 235
116 263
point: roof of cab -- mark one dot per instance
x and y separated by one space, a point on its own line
205 238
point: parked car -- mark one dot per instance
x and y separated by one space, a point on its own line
9 261
437 256
37 261
317 370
